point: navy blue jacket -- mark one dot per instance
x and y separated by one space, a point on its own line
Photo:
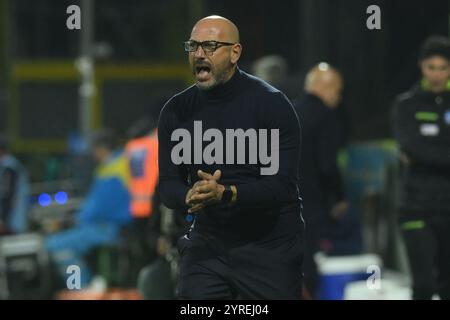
244 102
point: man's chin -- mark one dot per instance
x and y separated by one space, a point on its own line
206 85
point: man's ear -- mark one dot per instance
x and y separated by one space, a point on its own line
236 53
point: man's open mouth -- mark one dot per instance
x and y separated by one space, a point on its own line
203 73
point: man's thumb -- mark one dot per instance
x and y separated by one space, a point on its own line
217 174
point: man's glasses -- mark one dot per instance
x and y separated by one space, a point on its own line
208 46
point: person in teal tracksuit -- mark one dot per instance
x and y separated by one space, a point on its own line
105 211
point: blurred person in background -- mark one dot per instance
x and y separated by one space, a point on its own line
106 209
155 228
142 154
421 125
274 70
14 192
320 178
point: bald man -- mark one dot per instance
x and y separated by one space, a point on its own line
326 83
320 180
246 238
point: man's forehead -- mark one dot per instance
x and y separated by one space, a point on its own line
436 59
202 33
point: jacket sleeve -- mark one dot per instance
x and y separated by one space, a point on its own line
173 184
278 113
422 150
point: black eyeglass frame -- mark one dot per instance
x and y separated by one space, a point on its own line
216 45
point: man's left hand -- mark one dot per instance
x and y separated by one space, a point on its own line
205 191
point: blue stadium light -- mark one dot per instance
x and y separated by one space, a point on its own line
44 199
61 197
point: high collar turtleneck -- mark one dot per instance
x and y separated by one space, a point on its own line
226 90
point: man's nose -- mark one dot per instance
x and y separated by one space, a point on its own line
199 53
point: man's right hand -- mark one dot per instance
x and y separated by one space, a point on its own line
189 194
195 205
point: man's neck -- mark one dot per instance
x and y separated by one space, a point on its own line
227 89
434 89
438 90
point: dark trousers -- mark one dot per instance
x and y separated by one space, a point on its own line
428 246
268 269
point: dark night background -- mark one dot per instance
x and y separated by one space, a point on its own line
376 64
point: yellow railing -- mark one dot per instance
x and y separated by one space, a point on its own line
65 71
